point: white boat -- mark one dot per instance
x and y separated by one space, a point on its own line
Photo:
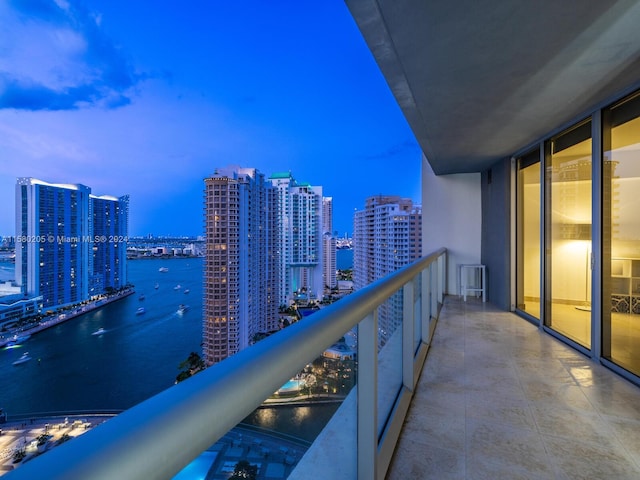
177 287
23 359
163 269
140 311
99 331
182 309
16 339
156 286
186 291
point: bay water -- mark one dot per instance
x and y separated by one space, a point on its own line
136 357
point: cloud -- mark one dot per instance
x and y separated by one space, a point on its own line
50 11
55 56
400 149
38 148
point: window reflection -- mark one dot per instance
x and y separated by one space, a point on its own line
621 234
528 234
568 233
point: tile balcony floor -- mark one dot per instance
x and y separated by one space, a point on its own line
499 399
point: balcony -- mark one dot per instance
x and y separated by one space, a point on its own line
496 398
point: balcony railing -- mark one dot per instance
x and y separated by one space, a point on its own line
158 437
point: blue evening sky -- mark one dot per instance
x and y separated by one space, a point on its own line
148 98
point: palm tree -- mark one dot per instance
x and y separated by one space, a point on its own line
244 470
189 367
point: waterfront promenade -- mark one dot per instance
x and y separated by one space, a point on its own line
58 318
22 436
275 454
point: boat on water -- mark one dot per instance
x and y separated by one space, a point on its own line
16 340
140 311
156 286
186 290
182 309
177 287
141 297
23 359
99 331
163 269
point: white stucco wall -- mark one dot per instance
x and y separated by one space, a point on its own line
452 218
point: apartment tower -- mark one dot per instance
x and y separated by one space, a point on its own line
240 278
299 233
70 245
386 236
329 244
108 260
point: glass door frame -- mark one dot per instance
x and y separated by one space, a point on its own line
600 331
596 198
519 163
597 155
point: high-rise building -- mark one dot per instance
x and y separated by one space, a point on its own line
240 275
70 245
329 244
109 218
386 236
299 226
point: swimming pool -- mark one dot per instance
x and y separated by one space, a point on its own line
292 386
198 468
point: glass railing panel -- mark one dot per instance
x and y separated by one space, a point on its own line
417 308
436 286
328 420
389 356
425 298
334 451
273 439
169 426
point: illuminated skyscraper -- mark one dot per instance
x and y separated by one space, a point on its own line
109 226
240 275
299 226
329 244
70 244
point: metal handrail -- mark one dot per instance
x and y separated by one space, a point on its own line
160 436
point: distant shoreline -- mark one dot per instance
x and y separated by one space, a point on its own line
59 318
166 257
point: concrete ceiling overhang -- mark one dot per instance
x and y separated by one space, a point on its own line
479 80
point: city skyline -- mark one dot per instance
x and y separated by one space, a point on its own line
150 103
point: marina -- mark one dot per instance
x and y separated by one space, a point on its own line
58 318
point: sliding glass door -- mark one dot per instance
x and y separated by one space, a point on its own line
555 257
621 234
528 234
568 198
